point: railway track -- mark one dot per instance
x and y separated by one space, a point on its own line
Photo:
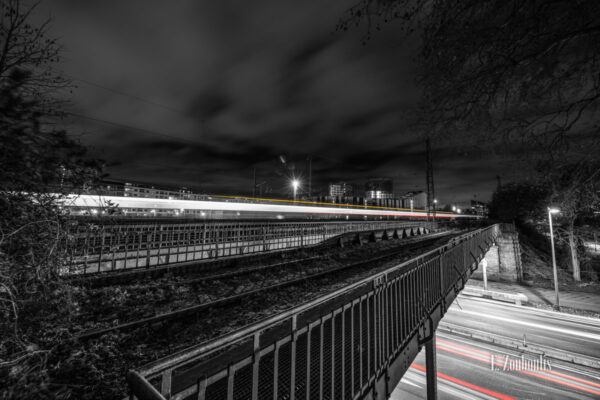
244 271
198 309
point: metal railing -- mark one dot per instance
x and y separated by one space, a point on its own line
353 343
101 248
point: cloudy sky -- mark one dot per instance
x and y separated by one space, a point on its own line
198 93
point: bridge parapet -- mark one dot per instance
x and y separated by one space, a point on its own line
356 342
503 260
119 247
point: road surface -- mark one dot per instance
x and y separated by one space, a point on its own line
464 365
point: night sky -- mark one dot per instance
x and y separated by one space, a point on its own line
197 93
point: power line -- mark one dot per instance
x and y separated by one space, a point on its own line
133 128
132 96
120 92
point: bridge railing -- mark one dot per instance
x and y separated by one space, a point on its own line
356 342
101 248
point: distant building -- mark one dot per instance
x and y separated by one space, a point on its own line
154 192
418 200
379 188
107 188
136 190
479 208
341 189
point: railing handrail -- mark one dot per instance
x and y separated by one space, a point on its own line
150 222
205 348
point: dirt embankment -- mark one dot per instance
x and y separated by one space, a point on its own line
537 264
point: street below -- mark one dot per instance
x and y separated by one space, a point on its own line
465 365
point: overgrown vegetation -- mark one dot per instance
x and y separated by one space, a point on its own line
36 160
526 204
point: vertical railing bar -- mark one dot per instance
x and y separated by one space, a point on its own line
293 365
230 377
361 344
201 388
368 344
308 359
275 370
342 352
332 388
126 245
102 240
321 357
165 383
352 310
170 239
255 365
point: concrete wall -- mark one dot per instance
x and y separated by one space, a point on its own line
503 259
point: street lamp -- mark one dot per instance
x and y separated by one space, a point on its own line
550 212
295 184
411 206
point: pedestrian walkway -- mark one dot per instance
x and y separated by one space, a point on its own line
577 300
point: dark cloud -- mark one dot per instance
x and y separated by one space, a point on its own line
203 92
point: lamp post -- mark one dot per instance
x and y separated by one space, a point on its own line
295 184
411 206
434 208
550 212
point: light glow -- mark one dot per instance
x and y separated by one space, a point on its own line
95 201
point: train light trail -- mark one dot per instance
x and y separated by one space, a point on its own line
155 206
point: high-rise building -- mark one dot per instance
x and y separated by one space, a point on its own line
379 188
341 189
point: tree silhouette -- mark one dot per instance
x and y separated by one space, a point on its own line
35 240
520 72
28 48
516 75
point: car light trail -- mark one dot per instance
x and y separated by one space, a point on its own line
93 202
586 335
499 363
466 384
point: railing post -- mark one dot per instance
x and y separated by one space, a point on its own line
431 368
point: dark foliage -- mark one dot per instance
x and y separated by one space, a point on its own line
519 202
518 72
31 157
36 342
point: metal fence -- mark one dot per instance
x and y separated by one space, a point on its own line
101 248
354 343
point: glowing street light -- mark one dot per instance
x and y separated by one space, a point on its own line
550 212
295 184
411 205
453 208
